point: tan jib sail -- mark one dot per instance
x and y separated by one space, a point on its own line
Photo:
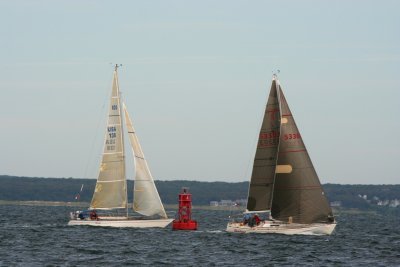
146 199
110 191
298 194
262 177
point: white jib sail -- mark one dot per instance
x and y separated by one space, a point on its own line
146 199
110 191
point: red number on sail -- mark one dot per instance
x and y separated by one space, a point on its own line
291 136
268 139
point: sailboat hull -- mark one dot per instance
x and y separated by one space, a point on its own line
121 223
282 228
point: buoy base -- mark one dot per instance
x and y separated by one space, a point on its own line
189 225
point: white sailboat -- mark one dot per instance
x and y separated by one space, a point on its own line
284 186
111 188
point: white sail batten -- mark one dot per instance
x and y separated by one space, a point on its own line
110 191
146 199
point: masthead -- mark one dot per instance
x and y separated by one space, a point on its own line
117 66
275 74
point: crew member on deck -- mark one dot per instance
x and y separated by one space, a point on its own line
246 218
93 215
257 219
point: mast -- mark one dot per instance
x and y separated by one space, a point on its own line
122 134
277 85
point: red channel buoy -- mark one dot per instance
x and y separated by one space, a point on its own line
184 217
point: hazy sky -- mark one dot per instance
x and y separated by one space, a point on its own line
195 78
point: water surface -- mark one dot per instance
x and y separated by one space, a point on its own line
39 236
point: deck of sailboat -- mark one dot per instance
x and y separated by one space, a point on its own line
283 228
123 222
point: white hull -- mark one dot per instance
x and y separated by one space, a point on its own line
160 223
283 228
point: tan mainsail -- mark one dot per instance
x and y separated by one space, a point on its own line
146 199
110 191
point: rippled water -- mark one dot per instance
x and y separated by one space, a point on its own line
39 236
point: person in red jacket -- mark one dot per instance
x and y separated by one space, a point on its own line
257 219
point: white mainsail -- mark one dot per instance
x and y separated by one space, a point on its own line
146 199
110 191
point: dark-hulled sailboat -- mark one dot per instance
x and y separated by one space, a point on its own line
284 184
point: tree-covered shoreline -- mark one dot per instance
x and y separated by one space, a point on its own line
363 197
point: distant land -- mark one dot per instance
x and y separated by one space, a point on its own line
380 198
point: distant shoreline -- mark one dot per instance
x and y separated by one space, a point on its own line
336 211
86 204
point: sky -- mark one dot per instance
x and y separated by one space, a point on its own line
195 79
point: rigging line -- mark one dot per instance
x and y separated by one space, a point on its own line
95 140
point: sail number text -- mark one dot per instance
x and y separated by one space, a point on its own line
110 142
268 139
291 136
